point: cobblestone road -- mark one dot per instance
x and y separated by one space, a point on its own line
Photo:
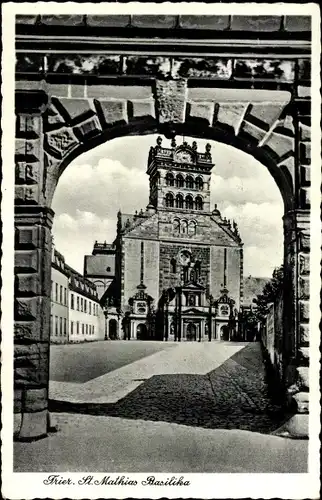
178 386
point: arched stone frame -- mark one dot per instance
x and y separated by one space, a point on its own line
52 131
179 201
198 202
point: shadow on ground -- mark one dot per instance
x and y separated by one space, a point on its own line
233 396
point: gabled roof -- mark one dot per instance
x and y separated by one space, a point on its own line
192 310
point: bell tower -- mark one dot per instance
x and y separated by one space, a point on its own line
180 177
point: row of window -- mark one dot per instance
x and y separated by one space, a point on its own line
59 293
184 227
179 181
76 328
180 202
81 305
59 326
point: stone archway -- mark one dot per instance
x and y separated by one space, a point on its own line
59 119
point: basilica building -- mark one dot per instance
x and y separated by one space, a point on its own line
178 268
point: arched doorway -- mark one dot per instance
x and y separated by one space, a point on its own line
141 332
191 332
224 332
113 329
55 126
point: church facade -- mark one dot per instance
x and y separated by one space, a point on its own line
178 265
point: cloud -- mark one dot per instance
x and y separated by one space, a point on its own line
74 235
102 188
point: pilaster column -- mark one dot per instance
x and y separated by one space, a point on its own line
295 343
33 222
32 320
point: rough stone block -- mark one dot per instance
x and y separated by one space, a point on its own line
304 242
171 100
302 402
217 23
304 261
28 308
34 425
29 148
29 125
296 427
17 421
62 141
304 331
112 21
28 331
26 261
154 22
231 114
142 108
89 128
305 132
17 400
256 23
265 115
113 112
28 284
27 193
303 380
280 144
303 91
304 309
27 237
35 400
305 197
251 130
62 20
25 19
306 175
305 152
304 355
30 367
304 288
297 23
203 110
78 109
27 173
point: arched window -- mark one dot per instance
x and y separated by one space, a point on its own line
169 200
179 181
199 183
189 182
199 203
192 228
179 201
176 226
169 179
189 202
173 266
184 227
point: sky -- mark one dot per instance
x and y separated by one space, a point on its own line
112 176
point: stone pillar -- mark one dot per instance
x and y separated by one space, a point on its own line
32 320
296 310
33 222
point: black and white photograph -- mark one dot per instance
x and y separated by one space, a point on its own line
161 254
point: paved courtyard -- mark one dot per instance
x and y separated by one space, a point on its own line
188 407
212 385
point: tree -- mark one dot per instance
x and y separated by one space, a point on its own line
270 292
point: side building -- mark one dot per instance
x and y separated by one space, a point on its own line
76 315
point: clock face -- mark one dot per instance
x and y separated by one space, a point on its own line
184 156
